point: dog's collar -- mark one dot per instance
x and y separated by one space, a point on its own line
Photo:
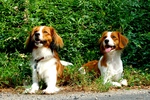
39 59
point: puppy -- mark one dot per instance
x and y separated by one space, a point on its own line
110 65
43 43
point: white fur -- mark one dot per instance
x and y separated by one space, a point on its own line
82 70
45 69
113 72
40 32
111 42
64 63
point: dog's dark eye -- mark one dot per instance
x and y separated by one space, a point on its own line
105 37
35 31
45 32
113 37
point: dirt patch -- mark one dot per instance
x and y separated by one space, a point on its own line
67 89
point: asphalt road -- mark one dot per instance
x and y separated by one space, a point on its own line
141 94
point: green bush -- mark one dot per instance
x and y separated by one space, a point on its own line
80 24
14 69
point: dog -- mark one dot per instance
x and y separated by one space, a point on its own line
110 65
43 43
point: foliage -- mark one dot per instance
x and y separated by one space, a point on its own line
80 24
137 77
14 69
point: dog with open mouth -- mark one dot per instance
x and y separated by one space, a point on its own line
43 43
110 65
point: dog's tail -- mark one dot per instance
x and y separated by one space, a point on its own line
65 63
82 70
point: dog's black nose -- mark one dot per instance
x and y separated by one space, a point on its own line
37 34
106 41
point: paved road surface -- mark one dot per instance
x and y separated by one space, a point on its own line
111 95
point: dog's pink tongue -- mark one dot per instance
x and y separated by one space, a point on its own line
108 49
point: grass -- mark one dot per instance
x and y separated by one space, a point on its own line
15 72
137 77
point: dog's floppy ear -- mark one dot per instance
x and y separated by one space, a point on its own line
29 43
101 45
101 42
56 40
123 41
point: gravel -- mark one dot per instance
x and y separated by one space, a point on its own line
142 94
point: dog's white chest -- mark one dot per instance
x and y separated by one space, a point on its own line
115 66
45 68
113 70
41 52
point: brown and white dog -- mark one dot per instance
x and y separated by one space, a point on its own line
110 65
42 43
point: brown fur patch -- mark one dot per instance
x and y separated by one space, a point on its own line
56 38
92 66
102 48
123 41
60 69
104 60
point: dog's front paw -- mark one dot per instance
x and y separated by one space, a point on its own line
30 91
116 84
27 91
51 90
34 88
124 82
